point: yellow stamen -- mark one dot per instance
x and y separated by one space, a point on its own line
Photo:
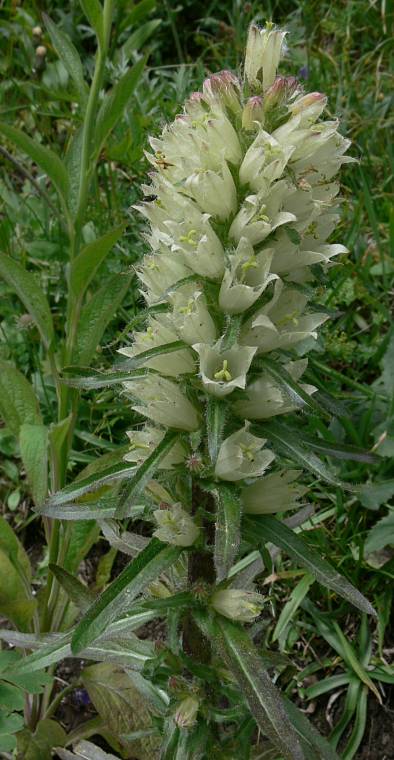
223 374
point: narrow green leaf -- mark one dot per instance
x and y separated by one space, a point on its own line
227 530
291 445
216 418
96 315
89 379
137 39
46 159
137 13
114 104
266 528
264 700
359 726
18 402
99 509
144 474
94 13
24 284
297 595
85 265
33 442
123 590
90 483
316 747
296 394
339 450
72 162
77 592
69 56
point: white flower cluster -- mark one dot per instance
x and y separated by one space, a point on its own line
240 206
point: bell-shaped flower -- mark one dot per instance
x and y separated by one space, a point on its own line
190 317
264 162
264 398
288 256
214 192
162 401
245 278
176 526
263 52
280 324
143 442
261 214
158 334
237 604
223 370
159 271
201 248
242 455
277 492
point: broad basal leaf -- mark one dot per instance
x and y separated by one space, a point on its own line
18 402
25 286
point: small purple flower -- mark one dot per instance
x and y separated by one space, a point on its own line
81 697
303 72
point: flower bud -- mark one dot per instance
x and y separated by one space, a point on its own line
41 51
162 401
223 89
176 526
143 442
241 456
263 51
276 492
253 113
36 31
236 604
214 192
186 712
223 371
264 398
280 92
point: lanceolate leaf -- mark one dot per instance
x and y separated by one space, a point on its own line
338 450
45 158
69 57
296 394
291 606
144 473
84 377
316 747
269 529
264 701
227 530
91 483
97 314
25 286
86 264
79 594
33 442
115 102
18 402
94 13
216 417
289 442
121 592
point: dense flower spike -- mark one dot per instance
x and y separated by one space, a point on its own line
240 206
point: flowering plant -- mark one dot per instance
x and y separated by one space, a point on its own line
240 205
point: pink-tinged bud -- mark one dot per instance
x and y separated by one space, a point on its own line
186 712
280 92
309 107
223 88
253 113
